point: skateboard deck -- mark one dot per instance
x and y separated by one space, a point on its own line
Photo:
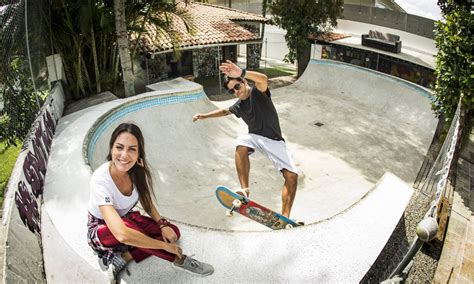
253 210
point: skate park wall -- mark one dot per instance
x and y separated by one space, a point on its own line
23 259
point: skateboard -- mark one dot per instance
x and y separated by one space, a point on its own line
252 210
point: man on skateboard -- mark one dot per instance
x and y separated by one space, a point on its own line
255 107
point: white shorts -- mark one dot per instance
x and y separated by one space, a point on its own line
276 151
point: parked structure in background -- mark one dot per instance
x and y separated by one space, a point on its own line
387 14
217 32
417 73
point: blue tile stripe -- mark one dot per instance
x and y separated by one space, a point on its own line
384 76
115 114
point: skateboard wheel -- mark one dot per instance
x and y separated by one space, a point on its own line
237 203
229 213
288 226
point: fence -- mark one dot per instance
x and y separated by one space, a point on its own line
28 113
23 76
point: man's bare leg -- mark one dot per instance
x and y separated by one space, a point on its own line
289 191
242 164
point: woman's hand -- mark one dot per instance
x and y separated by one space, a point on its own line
169 235
174 249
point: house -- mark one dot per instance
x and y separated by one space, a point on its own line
215 37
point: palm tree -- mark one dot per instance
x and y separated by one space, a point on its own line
93 39
124 50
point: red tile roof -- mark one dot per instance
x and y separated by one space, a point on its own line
212 25
328 37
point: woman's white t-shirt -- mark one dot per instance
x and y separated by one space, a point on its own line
103 191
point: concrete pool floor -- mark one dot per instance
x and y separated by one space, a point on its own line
381 126
371 124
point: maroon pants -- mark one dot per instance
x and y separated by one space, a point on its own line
145 225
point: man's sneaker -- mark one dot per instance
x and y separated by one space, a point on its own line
195 267
118 264
244 192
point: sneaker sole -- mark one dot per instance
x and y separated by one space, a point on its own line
110 275
190 272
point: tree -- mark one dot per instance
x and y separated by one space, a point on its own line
20 104
124 51
454 69
301 18
84 34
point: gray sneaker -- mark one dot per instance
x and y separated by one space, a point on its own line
118 264
195 267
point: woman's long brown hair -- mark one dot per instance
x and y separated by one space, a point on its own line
140 175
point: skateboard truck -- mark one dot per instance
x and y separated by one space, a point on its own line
235 205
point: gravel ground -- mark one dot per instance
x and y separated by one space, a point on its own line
398 245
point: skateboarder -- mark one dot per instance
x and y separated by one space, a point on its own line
255 107
116 232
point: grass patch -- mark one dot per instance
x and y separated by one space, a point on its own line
273 72
8 156
208 81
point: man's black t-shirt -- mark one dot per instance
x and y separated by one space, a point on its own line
259 114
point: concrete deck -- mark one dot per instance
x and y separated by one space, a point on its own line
372 124
415 49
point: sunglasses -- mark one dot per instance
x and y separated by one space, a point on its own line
236 87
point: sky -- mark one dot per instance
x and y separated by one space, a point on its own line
424 8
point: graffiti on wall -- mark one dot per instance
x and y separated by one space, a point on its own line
30 186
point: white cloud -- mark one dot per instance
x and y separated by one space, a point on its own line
424 8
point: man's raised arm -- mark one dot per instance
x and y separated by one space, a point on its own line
234 71
214 113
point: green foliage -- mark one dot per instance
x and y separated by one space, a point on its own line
83 32
301 18
5 127
8 156
447 6
273 72
454 62
20 106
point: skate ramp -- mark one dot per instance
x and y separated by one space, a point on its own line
371 124
338 195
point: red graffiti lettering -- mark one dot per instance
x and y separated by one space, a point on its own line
28 208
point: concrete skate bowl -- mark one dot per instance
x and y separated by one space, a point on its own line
371 124
338 195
